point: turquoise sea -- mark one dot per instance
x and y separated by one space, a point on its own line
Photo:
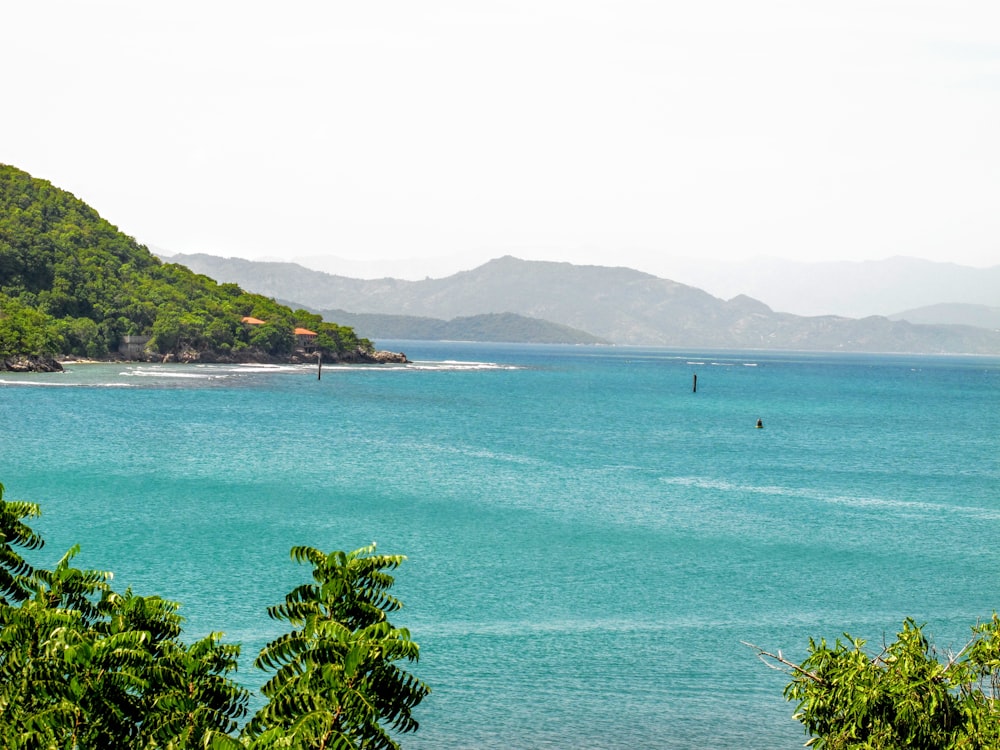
589 541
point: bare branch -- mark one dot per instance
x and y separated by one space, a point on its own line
790 665
953 658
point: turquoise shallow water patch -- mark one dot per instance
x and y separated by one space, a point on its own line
589 540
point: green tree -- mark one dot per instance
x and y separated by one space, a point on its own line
25 330
82 337
336 682
83 667
110 672
276 338
906 695
16 535
167 331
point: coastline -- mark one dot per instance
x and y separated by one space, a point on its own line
357 356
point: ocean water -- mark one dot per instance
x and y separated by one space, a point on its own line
590 542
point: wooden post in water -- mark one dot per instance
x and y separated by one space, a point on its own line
694 385
319 365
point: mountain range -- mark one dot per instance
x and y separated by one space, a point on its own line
852 289
619 305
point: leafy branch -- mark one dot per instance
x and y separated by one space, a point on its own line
84 667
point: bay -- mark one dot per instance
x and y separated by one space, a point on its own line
589 542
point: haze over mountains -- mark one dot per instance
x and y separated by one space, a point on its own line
853 289
620 305
958 314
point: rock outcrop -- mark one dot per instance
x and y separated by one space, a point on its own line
361 356
393 358
358 356
30 364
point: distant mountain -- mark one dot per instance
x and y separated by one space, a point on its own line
498 327
290 281
413 269
846 288
981 316
851 289
620 305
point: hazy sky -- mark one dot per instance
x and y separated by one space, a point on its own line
618 132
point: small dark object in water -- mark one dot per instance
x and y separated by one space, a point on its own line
760 424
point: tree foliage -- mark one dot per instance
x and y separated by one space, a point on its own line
71 283
335 674
84 667
906 695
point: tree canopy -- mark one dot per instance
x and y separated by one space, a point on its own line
72 284
904 695
83 667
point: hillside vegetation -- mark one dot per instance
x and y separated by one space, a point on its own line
72 284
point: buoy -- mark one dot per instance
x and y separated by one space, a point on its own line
760 424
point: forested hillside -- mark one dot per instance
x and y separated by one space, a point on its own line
72 284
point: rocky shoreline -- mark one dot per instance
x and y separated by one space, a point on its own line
357 356
30 364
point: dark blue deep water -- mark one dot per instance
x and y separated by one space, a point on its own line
589 541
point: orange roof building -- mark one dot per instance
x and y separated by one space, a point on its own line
252 321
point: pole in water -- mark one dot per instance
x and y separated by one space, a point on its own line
694 384
319 365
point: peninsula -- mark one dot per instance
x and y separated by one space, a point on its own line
73 286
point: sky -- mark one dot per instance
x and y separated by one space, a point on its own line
420 138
